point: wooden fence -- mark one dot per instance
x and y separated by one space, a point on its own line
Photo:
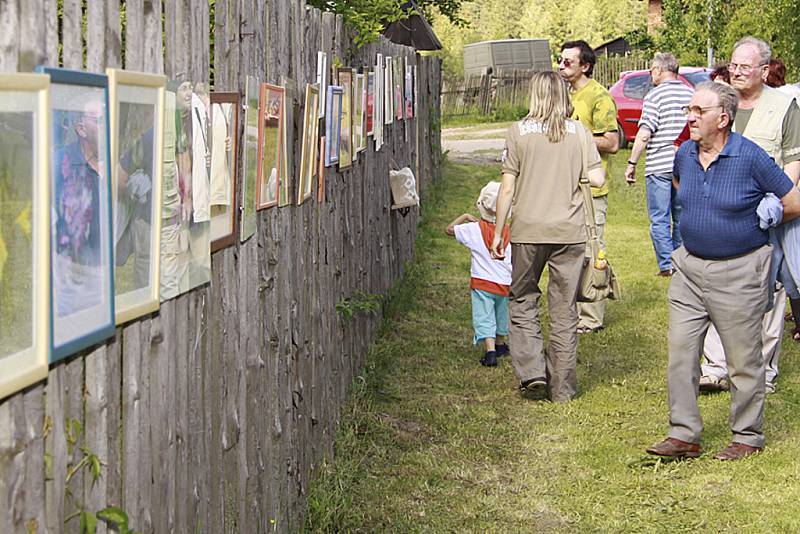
510 89
212 414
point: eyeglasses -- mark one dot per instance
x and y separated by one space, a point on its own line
744 69
567 62
697 111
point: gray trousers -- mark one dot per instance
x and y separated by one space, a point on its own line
733 295
525 333
592 314
771 333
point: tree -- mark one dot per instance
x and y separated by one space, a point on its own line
370 17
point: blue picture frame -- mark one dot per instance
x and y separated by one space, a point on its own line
333 123
81 240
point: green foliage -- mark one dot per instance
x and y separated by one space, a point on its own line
360 302
689 23
115 517
596 21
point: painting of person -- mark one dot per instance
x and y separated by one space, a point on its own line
134 204
79 173
222 172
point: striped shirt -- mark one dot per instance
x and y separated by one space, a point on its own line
662 113
718 217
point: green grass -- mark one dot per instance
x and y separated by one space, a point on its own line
430 441
504 114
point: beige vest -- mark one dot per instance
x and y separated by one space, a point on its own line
765 127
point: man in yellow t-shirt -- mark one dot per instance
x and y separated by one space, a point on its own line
595 108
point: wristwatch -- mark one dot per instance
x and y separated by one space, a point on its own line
632 163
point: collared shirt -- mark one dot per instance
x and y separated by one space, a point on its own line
719 218
662 114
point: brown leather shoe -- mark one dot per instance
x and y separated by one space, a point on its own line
675 448
737 451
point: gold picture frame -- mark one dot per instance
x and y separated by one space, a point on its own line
134 98
26 363
309 150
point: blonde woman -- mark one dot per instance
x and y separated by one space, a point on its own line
542 164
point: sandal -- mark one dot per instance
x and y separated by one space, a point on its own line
789 317
796 334
589 330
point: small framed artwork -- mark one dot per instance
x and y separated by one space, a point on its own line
309 151
345 80
397 80
322 80
321 171
137 146
333 124
290 107
250 161
359 105
81 240
369 110
388 90
409 91
269 145
377 118
185 209
24 230
224 147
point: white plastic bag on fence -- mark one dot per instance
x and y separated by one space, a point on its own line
404 188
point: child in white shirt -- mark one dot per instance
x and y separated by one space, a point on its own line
490 278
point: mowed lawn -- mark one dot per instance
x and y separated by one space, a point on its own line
433 442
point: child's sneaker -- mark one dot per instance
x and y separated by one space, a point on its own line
502 349
489 359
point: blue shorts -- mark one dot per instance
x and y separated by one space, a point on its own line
489 315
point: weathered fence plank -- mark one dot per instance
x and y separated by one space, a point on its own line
212 414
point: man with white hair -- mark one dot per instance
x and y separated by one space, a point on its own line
771 120
722 271
660 125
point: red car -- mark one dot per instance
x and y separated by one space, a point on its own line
629 93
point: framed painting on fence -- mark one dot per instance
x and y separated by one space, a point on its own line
409 91
224 147
290 107
81 239
185 206
269 145
369 109
359 106
345 81
322 80
377 116
137 146
308 159
24 231
388 90
397 80
250 161
333 124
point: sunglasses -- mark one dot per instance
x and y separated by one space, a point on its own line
566 62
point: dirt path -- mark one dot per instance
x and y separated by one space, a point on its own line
474 145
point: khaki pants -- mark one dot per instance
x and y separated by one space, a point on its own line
525 334
771 333
732 295
591 314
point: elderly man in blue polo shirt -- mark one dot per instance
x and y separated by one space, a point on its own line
721 271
